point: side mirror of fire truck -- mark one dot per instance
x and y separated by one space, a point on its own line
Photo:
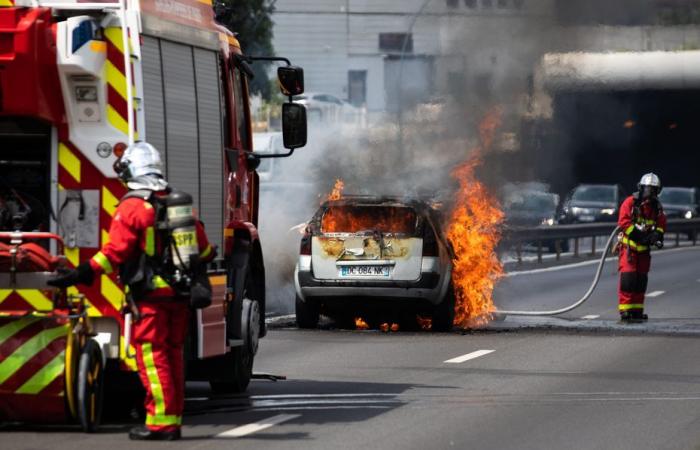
293 125
291 79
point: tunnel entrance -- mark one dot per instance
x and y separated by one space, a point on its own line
614 137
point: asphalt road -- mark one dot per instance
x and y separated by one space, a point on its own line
564 383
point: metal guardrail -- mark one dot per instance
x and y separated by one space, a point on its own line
516 237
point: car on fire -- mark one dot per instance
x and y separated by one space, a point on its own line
361 256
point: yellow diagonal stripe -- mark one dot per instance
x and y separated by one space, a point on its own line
28 350
111 292
118 122
105 238
114 35
117 80
36 298
69 161
4 293
109 201
14 327
130 362
4 3
44 376
73 255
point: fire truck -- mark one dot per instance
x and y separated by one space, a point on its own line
79 82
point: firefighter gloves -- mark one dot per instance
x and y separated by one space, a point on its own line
83 274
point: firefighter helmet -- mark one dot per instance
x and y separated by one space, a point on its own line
139 159
650 183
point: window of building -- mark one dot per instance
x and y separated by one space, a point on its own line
486 4
452 3
396 42
470 3
502 4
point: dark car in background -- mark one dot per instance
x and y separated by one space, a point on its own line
531 208
589 203
680 202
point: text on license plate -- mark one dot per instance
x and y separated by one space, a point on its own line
363 271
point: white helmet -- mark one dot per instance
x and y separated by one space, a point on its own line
652 180
138 160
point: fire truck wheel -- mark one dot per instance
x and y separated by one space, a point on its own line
90 386
444 312
307 313
240 361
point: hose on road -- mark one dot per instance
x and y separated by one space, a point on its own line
578 303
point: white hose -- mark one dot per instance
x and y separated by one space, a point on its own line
582 299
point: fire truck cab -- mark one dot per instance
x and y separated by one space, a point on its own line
79 81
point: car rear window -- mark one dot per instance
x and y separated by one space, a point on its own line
355 219
594 194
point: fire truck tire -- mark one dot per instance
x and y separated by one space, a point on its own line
240 361
90 386
444 312
307 313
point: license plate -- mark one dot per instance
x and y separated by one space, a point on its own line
363 271
586 218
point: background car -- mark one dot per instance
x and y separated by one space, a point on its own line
366 256
592 203
529 208
680 203
267 143
322 107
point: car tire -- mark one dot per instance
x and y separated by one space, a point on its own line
307 313
238 363
444 312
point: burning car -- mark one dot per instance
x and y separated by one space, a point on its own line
362 255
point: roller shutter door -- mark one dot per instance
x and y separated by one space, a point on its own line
153 94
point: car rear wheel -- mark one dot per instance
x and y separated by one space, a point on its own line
307 313
444 312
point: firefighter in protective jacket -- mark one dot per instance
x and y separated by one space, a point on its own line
136 245
642 223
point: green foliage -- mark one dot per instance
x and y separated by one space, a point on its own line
251 21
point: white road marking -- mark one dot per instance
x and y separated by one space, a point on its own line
590 317
655 293
468 356
251 428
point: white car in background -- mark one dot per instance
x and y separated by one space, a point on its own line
267 143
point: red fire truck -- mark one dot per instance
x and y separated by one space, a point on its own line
79 81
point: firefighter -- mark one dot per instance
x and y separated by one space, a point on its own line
642 223
135 246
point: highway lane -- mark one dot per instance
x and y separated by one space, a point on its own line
675 278
503 387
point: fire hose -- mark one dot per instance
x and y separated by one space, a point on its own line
583 299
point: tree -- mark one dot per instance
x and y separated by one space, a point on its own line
251 21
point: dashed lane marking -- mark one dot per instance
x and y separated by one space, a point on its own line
655 293
251 428
590 317
468 356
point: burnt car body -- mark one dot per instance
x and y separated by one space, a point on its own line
592 203
365 255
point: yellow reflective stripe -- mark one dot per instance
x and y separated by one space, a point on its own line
156 420
114 35
660 230
207 251
111 292
6 3
629 230
634 245
35 298
28 350
159 282
629 306
44 376
12 328
73 255
153 379
109 201
103 262
69 161
150 241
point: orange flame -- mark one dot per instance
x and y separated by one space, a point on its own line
337 191
474 232
360 324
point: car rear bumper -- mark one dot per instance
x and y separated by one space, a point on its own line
430 286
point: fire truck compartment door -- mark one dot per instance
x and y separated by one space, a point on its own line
78 217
